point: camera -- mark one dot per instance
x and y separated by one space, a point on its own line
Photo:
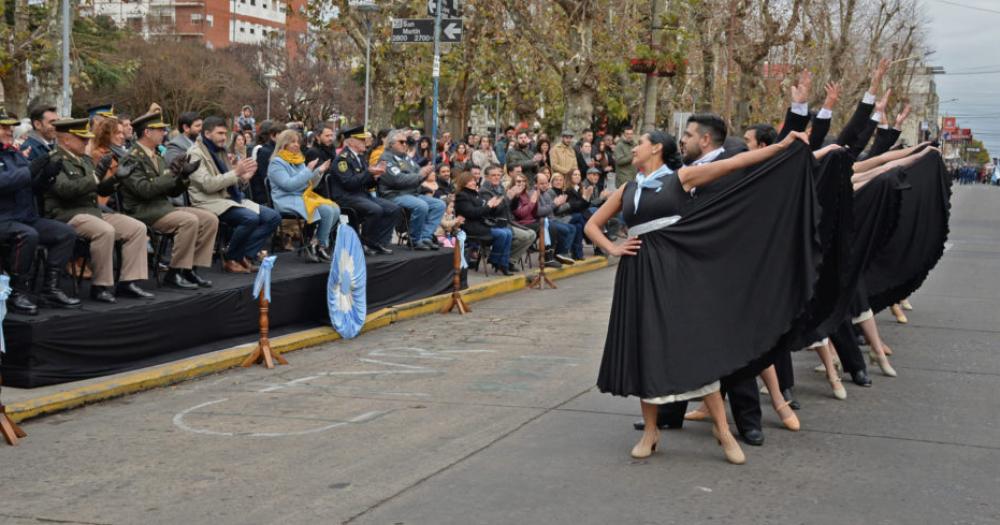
410 141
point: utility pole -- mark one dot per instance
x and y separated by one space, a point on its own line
436 72
650 91
66 103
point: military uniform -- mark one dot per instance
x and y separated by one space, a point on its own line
146 194
24 230
351 185
72 198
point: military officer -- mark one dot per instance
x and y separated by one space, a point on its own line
147 194
72 198
24 230
351 184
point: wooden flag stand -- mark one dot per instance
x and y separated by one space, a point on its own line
11 432
263 353
456 295
541 279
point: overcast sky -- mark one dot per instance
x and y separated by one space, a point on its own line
965 35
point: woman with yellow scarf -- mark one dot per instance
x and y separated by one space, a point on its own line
292 182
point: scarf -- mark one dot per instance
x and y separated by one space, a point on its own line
218 156
649 181
292 158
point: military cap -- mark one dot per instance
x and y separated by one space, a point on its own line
104 110
7 118
356 132
593 170
74 126
567 133
148 121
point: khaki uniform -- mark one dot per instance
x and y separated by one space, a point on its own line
72 198
147 195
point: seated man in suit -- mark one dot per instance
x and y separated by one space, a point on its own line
147 194
215 187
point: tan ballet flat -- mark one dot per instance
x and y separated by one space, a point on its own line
791 421
734 454
883 364
898 313
641 452
697 414
838 388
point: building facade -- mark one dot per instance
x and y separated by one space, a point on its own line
216 23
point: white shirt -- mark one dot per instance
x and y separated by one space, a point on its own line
709 157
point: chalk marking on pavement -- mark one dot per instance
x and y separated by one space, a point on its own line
180 423
447 467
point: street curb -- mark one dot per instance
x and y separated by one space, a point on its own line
198 366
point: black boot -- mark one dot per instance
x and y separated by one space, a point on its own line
19 301
52 293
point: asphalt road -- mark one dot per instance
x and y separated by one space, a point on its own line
492 418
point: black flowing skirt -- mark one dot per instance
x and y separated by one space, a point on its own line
716 291
917 243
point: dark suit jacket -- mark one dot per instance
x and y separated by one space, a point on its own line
856 125
793 122
821 127
884 140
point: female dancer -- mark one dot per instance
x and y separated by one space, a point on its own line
630 367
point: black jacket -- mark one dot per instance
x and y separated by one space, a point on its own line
470 205
322 154
257 187
349 175
17 198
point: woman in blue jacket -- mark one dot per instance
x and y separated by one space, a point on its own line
290 177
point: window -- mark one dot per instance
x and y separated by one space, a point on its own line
210 20
196 17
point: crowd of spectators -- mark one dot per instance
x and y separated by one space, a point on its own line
109 179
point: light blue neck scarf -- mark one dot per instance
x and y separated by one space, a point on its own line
649 181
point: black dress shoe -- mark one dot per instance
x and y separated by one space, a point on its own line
22 304
641 425
861 378
368 251
323 254
132 290
382 249
753 437
102 294
174 279
193 277
787 394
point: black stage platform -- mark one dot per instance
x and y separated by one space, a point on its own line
59 346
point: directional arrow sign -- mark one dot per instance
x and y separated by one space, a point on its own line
449 8
421 30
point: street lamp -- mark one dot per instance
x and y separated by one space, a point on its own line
367 7
268 77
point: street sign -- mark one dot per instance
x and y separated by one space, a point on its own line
421 30
449 8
